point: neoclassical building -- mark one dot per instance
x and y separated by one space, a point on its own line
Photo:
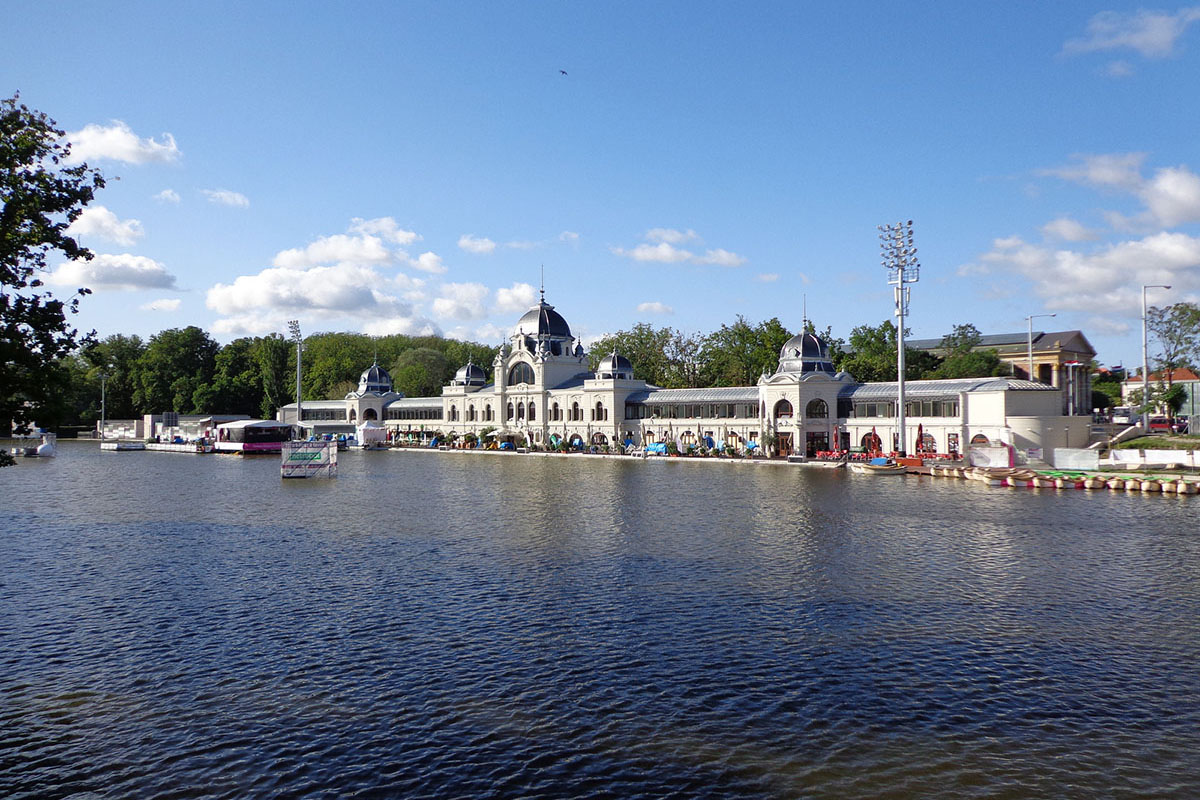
543 391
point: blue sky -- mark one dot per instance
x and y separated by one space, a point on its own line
409 167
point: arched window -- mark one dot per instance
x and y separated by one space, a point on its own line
520 373
872 443
783 410
453 413
471 413
555 413
600 415
520 411
817 409
979 438
510 411
576 412
353 415
488 414
370 414
532 413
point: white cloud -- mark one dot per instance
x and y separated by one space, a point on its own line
661 247
1118 69
167 196
671 236
1152 34
654 308
489 333
662 252
569 236
255 304
474 244
124 271
408 326
411 289
162 304
118 142
225 197
384 227
1118 170
521 245
1067 230
722 258
99 221
461 301
767 277
516 299
339 248
1172 196
429 262
341 288
1107 280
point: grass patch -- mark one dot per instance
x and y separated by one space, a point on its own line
1161 443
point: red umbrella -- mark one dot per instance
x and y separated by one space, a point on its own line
920 438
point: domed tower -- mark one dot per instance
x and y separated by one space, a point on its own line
369 401
804 353
614 367
470 376
543 330
375 380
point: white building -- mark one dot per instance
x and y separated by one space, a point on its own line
543 392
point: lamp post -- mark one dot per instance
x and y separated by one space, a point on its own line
103 409
900 260
1030 320
1146 358
294 329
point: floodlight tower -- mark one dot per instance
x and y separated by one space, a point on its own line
294 329
900 259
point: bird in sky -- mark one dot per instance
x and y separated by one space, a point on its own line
562 72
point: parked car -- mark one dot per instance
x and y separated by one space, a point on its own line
1160 424
1123 415
1181 424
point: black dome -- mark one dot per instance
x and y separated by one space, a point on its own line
543 320
805 352
614 363
375 379
470 375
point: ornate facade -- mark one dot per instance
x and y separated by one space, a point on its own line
543 392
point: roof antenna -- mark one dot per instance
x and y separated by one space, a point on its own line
804 312
543 289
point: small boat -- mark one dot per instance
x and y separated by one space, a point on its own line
877 466
46 449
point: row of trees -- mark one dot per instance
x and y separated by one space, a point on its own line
737 354
185 370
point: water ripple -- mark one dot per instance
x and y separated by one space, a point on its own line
431 626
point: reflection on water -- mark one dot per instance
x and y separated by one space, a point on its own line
432 625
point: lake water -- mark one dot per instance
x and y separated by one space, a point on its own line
454 626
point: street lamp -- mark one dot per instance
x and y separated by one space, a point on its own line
900 260
1030 320
103 381
294 329
1146 358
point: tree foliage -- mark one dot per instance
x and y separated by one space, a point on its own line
177 364
963 359
41 196
1176 333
